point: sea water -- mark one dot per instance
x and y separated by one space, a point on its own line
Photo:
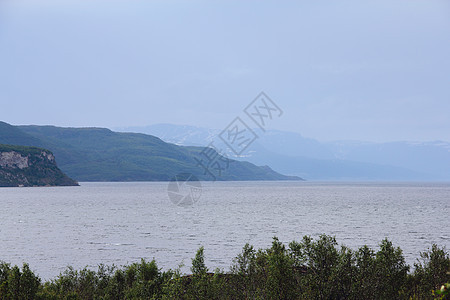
119 223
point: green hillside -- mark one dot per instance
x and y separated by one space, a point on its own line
99 154
30 166
14 136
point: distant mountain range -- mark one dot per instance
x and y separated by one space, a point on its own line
99 154
291 153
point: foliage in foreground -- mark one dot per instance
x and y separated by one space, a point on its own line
309 269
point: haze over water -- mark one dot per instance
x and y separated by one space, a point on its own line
120 223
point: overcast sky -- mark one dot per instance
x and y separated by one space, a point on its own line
368 70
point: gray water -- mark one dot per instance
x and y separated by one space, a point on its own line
120 223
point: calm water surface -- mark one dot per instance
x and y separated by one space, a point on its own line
119 223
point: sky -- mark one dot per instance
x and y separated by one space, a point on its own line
339 70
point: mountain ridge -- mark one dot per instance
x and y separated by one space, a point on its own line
100 154
292 153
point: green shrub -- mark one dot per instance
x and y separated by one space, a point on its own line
390 270
309 269
18 284
320 258
364 286
431 271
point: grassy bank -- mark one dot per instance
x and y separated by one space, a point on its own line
309 269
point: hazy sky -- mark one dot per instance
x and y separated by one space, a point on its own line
371 70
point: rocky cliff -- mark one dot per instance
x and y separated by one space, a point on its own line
30 166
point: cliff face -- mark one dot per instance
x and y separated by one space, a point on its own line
30 166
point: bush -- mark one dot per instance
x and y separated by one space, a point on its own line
17 284
309 269
431 272
320 259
